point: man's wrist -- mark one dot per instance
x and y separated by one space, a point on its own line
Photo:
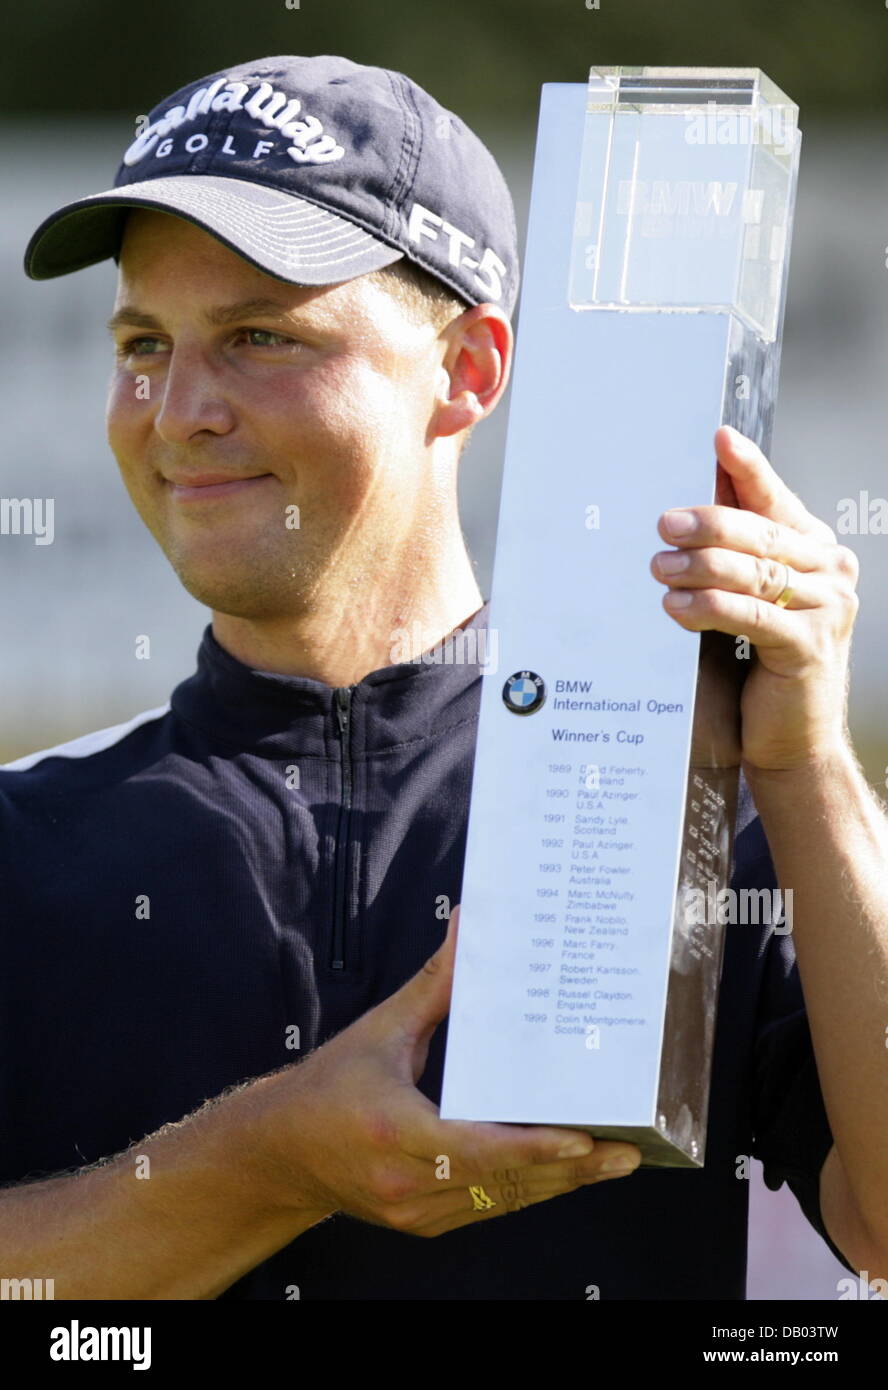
271 1158
831 761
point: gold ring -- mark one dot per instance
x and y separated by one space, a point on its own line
787 592
480 1199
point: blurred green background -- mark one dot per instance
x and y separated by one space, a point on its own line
478 56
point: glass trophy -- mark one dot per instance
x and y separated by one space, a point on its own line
604 792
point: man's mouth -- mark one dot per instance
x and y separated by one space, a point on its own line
203 487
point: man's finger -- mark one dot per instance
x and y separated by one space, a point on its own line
512 1191
740 573
726 528
423 1002
759 488
464 1173
475 1147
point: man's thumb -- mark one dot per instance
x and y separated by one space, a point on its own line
424 1000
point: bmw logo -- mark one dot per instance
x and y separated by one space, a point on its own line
524 692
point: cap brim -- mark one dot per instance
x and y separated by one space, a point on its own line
283 235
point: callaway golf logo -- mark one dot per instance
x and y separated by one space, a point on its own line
270 108
524 692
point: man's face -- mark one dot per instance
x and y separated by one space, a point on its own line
319 401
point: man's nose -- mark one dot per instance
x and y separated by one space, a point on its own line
193 399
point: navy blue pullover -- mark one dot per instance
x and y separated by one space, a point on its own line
291 843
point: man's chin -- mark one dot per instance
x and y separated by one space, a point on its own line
245 592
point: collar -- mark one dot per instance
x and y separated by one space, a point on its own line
280 715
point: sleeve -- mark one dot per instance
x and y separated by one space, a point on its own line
790 1127
791 1131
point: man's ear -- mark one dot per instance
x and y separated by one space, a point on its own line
474 370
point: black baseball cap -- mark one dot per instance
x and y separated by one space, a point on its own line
315 170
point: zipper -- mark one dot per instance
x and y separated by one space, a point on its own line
342 696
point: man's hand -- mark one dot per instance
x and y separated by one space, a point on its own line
793 706
348 1128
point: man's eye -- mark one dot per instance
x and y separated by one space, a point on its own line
265 333
138 347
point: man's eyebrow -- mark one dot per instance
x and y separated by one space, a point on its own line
131 317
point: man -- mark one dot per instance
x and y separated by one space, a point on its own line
317 269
